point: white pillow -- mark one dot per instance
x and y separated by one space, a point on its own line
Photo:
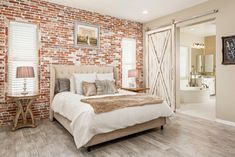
79 78
105 76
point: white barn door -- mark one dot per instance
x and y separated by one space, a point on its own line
160 59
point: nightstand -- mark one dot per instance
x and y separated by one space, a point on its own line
23 103
137 90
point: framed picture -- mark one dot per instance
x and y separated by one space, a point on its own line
228 50
87 35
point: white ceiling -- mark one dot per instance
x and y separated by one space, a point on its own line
201 30
131 9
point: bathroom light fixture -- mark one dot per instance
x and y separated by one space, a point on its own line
145 12
198 45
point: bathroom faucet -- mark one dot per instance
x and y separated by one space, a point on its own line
204 85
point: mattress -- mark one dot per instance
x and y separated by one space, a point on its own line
85 123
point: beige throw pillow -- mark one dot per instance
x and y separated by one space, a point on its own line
89 89
80 77
105 87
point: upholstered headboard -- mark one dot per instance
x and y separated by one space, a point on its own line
66 71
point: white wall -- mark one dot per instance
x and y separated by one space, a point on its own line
225 26
187 39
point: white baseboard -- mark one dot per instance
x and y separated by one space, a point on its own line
225 122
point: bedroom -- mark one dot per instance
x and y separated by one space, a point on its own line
107 41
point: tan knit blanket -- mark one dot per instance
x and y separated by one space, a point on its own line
110 103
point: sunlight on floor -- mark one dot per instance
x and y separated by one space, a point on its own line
201 110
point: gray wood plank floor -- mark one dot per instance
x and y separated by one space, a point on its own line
184 137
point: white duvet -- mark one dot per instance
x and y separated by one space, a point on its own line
85 123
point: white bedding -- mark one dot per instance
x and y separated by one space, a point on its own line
86 124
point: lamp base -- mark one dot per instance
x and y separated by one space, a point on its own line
24 93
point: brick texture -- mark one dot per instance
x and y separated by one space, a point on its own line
56 29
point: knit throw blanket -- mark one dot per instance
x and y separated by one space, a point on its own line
111 103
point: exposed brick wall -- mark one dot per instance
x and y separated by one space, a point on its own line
56 28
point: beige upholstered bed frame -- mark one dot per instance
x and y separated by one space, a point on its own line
66 71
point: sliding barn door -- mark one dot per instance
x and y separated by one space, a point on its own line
160 59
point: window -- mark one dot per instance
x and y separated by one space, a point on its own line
23 51
128 61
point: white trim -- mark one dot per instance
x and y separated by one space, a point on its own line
22 52
225 122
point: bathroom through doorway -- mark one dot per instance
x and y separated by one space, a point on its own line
197 70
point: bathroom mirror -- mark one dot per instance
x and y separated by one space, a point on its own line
203 63
197 59
199 63
209 63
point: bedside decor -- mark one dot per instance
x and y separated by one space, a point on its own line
133 73
25 72
228 50
87 35
24 103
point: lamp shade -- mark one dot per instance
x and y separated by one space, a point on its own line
25 72
133 73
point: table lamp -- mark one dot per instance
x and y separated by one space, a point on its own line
133 73
25 72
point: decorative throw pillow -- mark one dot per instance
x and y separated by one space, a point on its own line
105 76
105 87
62 85
79 78
89 89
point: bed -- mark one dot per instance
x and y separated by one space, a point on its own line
89 129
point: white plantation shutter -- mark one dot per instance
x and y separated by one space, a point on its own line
128 60
23 51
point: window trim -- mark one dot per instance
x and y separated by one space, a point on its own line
128 64
37 60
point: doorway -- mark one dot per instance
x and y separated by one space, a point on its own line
197 69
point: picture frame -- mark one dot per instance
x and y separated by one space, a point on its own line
87 35
228 50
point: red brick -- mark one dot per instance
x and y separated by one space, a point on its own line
56 24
